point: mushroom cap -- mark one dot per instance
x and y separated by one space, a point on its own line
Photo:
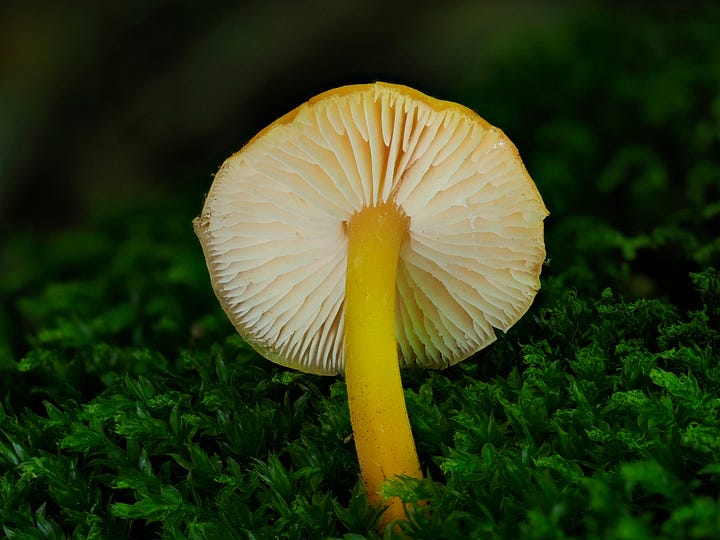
273 226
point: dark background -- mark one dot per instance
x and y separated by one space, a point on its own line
103 103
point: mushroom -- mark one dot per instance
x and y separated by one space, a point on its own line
374 227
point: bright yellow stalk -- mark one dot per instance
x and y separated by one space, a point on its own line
381 428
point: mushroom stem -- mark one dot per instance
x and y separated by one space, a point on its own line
383 439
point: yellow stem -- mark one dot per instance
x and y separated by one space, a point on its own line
381 428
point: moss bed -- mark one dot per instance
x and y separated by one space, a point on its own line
130 409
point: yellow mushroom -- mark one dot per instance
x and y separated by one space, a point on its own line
374 227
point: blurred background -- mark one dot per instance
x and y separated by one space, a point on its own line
112 101
614 108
